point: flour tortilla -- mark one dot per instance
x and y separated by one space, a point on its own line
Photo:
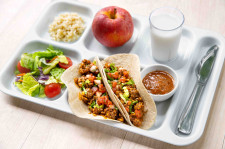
131 63
78 107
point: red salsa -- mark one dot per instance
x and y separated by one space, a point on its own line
158 82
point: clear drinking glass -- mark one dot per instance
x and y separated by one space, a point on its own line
165 29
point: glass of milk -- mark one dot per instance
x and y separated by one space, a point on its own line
166 28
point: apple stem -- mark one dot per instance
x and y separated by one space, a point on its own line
114 14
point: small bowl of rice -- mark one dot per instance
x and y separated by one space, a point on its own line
67 27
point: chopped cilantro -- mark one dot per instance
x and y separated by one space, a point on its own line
99 76
131 105
111 79
92 104
87 81
106 70
113 68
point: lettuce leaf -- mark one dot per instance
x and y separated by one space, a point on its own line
57 73
42 91
29 86
51 80
27 61
49 53
49 66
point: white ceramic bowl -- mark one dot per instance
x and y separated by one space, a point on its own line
168 69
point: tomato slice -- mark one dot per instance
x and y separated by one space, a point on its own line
52 90
22 69
65 66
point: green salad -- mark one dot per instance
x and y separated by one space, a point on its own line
38 74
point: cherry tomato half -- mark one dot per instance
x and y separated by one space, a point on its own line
52 90
65 66
22 69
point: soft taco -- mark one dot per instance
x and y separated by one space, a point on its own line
121 75
87 95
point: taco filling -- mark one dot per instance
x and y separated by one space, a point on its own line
126 91
93 92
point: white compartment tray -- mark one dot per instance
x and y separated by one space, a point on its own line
194 44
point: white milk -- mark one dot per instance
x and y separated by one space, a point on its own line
165 37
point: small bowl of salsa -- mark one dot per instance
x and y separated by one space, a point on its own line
161 81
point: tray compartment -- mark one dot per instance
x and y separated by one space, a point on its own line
8 77
143 49
55 10
202 46
93 45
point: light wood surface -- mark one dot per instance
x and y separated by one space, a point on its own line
27 125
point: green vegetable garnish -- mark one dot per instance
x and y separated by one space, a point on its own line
92 104
98 76
94 62
83 89
111 79
131 105
110 83
130 82
124 99
87 81
126 92
106 70
113 68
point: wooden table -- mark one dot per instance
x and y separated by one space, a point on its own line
28 125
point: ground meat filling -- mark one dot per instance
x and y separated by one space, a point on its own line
94 93
124 88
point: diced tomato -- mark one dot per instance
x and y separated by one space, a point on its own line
128 102
94 89
91 78
108 103
65 66
101 88
114 83
127 109
114 89
107 65
126 74
104 100
138 113
100 100
52 90
22 69
122 80
111 106
110 75
115 75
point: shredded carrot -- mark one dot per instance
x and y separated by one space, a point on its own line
21 74
20 80
53 59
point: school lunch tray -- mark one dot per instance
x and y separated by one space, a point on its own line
194 44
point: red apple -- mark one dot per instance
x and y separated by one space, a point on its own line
112 26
